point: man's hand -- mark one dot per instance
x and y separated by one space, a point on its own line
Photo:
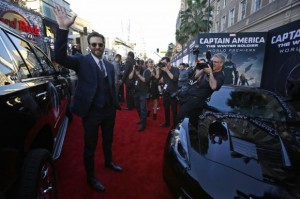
164 69
64 22
208 70
137 72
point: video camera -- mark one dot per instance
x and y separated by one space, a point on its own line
137 67
161 64
201 66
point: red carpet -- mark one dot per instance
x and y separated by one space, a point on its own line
140 155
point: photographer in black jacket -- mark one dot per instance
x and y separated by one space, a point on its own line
141 77
170 77
130 62
206 80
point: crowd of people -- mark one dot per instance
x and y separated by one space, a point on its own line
100 90
146 81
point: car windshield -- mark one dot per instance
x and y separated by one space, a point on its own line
248 102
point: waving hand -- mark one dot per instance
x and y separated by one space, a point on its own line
64 22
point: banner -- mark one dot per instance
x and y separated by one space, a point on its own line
282 62
244 53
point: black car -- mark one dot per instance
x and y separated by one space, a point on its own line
245 144
34 98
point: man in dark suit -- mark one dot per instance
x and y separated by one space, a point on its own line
95 97
130 62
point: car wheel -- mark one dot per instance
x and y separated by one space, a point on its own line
39 180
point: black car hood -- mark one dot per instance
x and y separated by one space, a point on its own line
243 154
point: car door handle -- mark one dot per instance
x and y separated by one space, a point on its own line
41 95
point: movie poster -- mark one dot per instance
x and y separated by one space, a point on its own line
282 63
244 54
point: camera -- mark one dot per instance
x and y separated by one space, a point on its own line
200 66
161 64
137 67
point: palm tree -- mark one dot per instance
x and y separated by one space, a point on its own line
181 36
195 19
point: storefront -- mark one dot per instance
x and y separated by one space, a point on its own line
26 23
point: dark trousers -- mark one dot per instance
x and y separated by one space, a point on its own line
130 95
140 101
168 102
104 118
191 109
121 93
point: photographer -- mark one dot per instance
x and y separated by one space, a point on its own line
207 79
141 77
130 62
170 77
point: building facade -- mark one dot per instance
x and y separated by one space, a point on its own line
253 15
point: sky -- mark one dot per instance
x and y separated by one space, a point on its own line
152 22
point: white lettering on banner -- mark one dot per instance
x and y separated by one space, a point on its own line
247 40
214 40
289 50
297 42
295 34
236 40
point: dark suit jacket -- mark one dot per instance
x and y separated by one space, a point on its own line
86 69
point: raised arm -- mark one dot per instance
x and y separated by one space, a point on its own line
64 22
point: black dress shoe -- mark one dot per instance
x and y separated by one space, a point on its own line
164 125
113 166
141 128
95 184
139 122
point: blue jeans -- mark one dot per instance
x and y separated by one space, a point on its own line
140 101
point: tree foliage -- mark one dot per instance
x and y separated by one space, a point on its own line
195 19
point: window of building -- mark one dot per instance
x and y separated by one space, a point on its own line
242 10
218 6
256 5
225 3
223 23
217 27
231 17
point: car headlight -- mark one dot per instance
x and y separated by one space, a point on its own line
180 145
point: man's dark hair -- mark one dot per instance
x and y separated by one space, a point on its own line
130 54
95 34
182 64
119 56
166 58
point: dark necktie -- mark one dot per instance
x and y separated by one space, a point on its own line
102 67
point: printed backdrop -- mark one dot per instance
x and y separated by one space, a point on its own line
282 65
246 51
